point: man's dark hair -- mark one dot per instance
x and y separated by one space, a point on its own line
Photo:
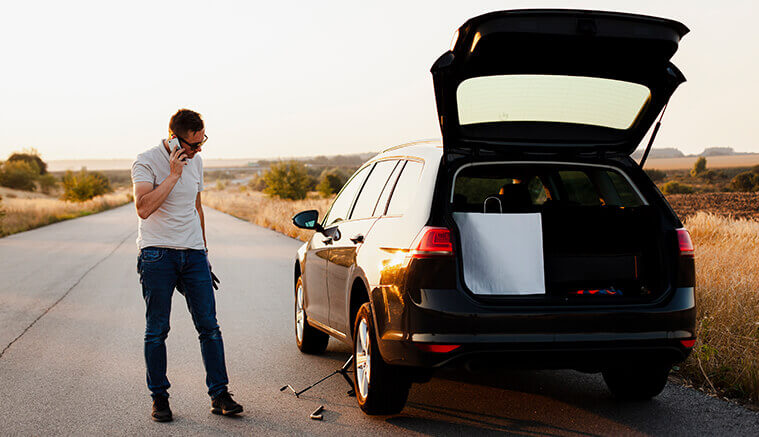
184 122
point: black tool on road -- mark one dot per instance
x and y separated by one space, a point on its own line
342 371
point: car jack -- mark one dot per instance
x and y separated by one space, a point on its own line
342 371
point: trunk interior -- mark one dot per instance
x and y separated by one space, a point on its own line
603 248
602 243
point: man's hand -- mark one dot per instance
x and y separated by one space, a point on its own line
147 198
178 159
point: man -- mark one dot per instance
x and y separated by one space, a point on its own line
173 254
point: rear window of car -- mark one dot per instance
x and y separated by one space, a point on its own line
590 101
529 187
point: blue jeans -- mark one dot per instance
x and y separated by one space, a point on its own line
161 270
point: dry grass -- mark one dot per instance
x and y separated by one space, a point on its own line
265 211
726 355
10 193
22 214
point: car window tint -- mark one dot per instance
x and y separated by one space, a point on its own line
341 206
475 190
405 188
529 187
382 203
625 191
579 188
367 199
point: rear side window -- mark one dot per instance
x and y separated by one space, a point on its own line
341 206
405 188
627 194
367 200
385 196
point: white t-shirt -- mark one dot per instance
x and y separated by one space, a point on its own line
176 223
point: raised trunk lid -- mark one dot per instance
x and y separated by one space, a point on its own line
555 80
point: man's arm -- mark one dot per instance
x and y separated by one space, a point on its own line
199 207
147 199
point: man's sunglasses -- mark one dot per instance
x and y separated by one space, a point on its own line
194 146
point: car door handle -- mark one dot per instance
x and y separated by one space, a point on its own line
358 238
327 240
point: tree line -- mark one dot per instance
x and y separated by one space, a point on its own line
294 179
28 172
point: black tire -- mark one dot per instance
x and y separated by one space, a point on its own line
636 382
312 341
388 386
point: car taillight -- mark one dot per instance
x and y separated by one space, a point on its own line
433 242
686 245
688 343
437 348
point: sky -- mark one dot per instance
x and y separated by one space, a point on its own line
100 79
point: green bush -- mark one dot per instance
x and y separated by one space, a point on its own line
699 167
84 185
32 157
221 185
257 183
710 175
746 181
287 180
656 175
19 175
673 187
47 182
331 182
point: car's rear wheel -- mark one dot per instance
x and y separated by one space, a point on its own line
380 388
309 339
639 382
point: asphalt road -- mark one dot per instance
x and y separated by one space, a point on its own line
71 328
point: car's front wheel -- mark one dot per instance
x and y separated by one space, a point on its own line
309 339
380 388
636 382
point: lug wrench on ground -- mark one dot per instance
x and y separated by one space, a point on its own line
342 371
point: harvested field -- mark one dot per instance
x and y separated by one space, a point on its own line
738 205
686 162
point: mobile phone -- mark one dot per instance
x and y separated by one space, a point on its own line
174 145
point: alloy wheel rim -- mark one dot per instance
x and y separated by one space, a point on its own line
299 314
363 359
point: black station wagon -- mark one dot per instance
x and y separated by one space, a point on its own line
528 237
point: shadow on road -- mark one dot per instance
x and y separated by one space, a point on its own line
545 403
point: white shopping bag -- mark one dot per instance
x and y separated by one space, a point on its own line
502 253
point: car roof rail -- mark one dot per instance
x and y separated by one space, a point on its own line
413 143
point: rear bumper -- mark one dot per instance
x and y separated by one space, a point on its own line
532 337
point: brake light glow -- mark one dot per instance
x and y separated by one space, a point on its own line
437 348
688 343
686 245
434 242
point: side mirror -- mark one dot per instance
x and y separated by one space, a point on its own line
308 220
